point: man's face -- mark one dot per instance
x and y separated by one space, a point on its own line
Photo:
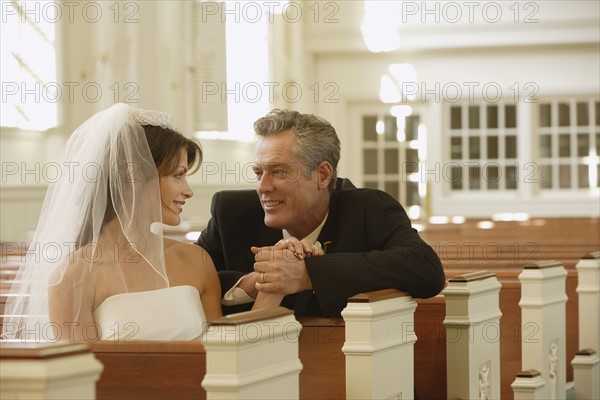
290 199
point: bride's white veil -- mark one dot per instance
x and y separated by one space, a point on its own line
96 236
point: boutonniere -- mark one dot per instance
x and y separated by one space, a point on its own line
320 250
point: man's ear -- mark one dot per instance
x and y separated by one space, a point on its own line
324 174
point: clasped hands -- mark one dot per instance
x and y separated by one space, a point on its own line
281 268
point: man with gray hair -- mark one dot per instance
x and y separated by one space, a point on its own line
308 235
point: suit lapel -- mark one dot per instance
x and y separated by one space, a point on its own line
267 236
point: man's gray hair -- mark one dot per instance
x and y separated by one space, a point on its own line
316 139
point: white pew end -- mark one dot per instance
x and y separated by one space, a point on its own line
543 319
48 371
529 385
379 345
473 336
253 355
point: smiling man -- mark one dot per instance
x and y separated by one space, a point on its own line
366 237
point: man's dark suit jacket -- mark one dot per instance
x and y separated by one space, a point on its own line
369 242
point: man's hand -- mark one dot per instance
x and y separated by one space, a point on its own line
281 268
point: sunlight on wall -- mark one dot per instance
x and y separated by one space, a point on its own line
249 90
30 92
380 25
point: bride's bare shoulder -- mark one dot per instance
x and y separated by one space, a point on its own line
76 264
186 252
188 263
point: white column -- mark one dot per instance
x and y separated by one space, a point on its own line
379 345
543 332
529 385
48 371
586 374
473 336
253 355
588 290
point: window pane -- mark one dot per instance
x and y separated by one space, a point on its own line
369 132
412 155
393 189
390 130
455 117
412 127
564 176
583 145
564 145
370 161
545 116
492 117
563 115
546 172
456 178
598 144
492 147
492 176
391 162
474 117
474 152
511 177
597 112
410 168
583 176
412 194
511 146
474 177
546 146
456 148
510 116
582 114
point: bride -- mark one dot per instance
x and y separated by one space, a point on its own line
98 267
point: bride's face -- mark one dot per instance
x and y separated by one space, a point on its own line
174 191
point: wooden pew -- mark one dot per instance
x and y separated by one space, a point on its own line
568 236
431 344
9 266
503 250
321 341
48 371
564 239
150 370
159 370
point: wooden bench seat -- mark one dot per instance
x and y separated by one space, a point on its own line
150 370
159 370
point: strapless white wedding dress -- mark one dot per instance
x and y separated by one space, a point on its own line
173 313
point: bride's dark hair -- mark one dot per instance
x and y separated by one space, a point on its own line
165 146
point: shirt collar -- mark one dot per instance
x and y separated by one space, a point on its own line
312 237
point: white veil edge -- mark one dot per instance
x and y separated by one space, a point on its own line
83 249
